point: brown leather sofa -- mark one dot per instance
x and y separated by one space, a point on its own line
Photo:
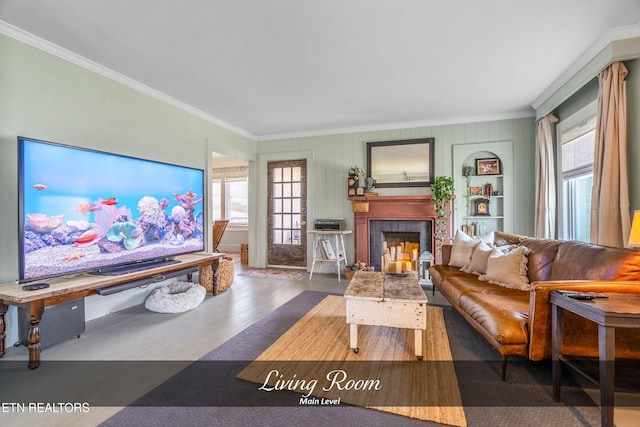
518 322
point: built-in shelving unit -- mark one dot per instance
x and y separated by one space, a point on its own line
472 197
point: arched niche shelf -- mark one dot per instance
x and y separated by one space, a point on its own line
474 209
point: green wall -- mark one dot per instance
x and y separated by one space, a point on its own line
334 154
45 97
633 133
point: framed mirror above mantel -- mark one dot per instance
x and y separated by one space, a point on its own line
402 163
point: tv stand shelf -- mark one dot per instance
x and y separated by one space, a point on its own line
68 289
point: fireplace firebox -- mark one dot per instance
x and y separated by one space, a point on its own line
400 209
397 232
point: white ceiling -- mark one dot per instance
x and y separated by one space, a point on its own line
291 67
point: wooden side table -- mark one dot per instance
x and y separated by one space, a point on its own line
615 311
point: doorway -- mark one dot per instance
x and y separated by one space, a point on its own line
287 213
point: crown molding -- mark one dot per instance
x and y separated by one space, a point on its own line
610 36
53 49
399 125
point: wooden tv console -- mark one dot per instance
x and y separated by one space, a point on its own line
67 289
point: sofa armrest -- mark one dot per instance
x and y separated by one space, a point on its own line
446 254
540 308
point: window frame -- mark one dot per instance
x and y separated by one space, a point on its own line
565 224
223 177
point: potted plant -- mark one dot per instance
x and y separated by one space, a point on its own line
467 171
442 193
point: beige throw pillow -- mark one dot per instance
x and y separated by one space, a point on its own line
487 238
479 259
461 250
508 269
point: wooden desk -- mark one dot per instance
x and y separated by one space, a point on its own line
615 311
68 289
384 299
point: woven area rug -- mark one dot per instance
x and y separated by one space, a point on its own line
383 375
275 273
208 391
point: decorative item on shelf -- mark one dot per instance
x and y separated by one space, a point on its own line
481 207
352 186
356 172
371 184
488 189
442 193
488 166
482 229
474 229
353 181
477 191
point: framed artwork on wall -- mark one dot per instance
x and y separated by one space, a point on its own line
490 166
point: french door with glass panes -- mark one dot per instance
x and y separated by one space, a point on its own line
287 224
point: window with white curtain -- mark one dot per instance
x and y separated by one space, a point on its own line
230 197
576 136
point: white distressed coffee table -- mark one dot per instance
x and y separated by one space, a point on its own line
384 299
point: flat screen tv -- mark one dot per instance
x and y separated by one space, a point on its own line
89 211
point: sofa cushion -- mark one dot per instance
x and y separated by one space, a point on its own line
452 283
585 261
508 269
542 253
503 317
439 272
449 278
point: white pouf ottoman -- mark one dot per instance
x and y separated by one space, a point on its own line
176 297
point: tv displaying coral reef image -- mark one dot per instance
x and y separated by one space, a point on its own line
86 211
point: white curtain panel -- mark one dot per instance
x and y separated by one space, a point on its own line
545 217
